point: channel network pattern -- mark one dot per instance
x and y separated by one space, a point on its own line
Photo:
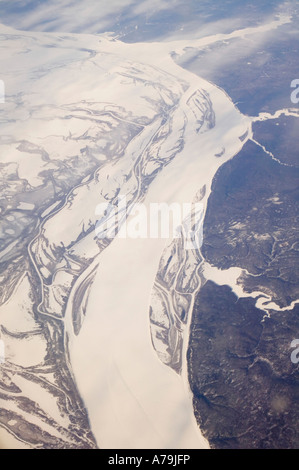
96 328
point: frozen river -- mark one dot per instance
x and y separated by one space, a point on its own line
133 399
153 133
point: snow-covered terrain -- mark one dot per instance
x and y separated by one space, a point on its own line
92 323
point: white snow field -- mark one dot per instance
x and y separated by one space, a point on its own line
155 132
